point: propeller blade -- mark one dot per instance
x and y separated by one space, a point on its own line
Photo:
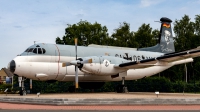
86 61
76 67
76 47
66 64
76 80
77 62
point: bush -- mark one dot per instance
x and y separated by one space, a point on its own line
4 86
150 84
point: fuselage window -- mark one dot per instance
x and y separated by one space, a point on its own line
44 51
26 50
39 51
30 50
35 50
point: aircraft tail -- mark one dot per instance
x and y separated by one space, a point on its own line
166 42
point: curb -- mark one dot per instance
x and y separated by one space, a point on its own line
85 101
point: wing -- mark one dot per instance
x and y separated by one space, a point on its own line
161 60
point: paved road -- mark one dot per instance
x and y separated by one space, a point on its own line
99 111
43 108
9 107
109 98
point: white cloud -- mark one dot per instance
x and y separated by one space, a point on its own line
80 13
147 3
198 1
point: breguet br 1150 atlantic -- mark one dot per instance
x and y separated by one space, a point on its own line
95 64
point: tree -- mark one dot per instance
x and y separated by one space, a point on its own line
197 25
145 36
86 33
155 37
123 36
184 31
196 42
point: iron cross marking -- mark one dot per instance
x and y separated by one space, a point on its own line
106 64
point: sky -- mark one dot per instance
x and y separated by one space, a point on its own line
24 21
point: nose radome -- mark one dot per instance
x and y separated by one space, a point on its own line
12 66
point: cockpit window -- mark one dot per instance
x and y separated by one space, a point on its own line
44 51
39 51
26 50
35 50
30 50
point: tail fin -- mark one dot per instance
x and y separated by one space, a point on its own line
166 42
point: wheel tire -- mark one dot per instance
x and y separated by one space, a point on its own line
120 89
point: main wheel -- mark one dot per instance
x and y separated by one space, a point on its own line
120 88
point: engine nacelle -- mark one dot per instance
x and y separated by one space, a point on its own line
102 65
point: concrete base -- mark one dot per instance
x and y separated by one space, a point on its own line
115 99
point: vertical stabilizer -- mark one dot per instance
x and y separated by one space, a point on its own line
166 42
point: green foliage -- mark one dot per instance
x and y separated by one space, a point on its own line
186 37
197 25
45 87
123 36
108 87
151 84
86 33
3 87
184 30
145 36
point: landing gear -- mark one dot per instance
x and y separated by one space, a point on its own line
122 88
21 85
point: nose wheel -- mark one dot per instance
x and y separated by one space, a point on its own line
21 85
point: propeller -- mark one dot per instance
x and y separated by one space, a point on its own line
78 63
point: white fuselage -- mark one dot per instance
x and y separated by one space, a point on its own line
49 67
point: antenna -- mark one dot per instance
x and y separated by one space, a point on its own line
35 41
157 21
